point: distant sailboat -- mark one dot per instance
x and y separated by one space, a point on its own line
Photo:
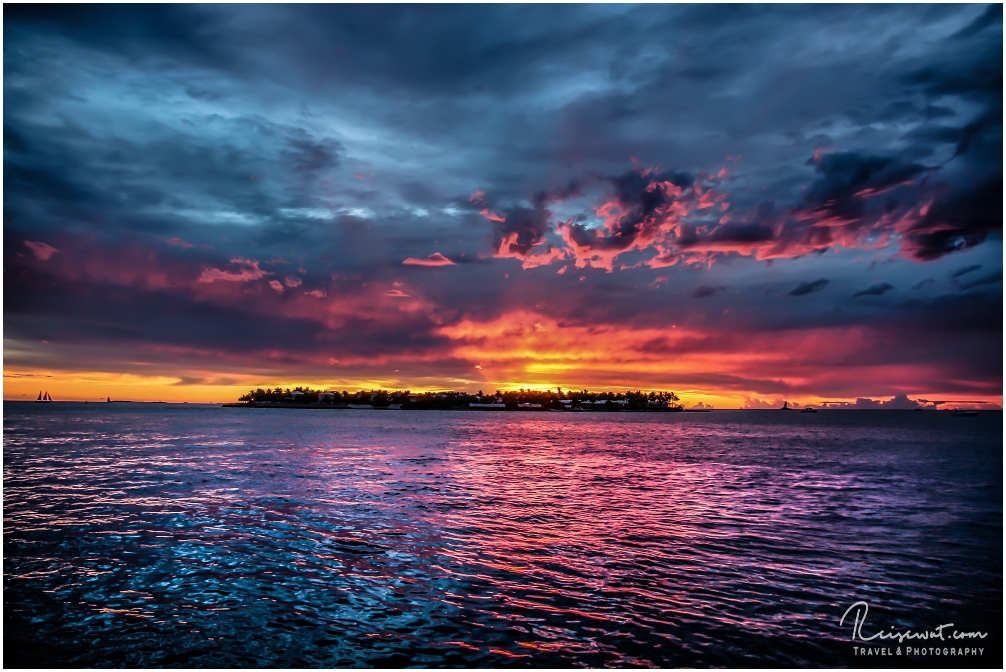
39 396
44 397
47 397
785 406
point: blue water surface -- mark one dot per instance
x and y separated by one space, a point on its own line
150 535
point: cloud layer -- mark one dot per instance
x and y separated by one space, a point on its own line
742 200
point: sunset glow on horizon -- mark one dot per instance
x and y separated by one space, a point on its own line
712 201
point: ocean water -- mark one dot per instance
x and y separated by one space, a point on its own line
146 535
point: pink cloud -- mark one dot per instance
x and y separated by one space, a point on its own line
396 292
277 285
752 403
492 216
249 271
686 222
551 253
649 217
292 281
41 250
505 250
317 293
178 242
870 192
435 259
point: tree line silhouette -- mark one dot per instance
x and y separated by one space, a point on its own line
558 399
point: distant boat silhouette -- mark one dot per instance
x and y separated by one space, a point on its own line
44 397
961 413
809 409
785 406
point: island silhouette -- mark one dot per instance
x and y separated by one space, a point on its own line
519 400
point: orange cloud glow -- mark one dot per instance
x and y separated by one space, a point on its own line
536 351
492 216
435 259
249 271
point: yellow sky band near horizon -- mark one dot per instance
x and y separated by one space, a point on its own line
98 386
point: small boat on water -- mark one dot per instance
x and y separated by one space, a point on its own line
809 409
43 397
962 413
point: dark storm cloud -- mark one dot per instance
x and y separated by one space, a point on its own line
704 291
965 270
845 178
240 169
744 233
906 111
876 289
987 279
637 203
976 79
982 127
807 287
992 15
522 229
306 153
957 221
133 29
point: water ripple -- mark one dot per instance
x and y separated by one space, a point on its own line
198 536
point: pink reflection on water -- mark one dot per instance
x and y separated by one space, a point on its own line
568 535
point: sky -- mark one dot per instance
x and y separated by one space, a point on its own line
742 204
